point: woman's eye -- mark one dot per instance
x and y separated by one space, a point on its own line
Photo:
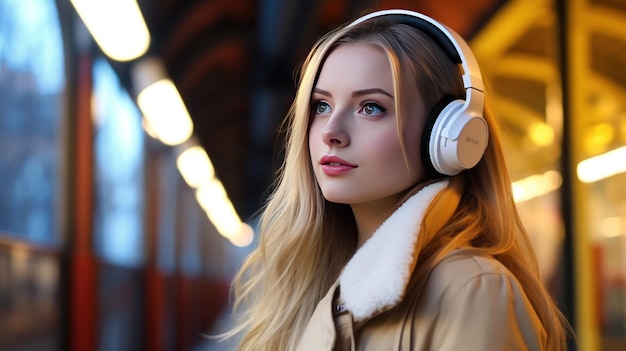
321 107
371 108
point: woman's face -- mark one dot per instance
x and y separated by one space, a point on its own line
354 144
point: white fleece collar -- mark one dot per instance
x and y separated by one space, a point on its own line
376 276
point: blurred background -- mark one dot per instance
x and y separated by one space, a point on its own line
138 139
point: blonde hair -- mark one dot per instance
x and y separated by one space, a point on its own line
305 240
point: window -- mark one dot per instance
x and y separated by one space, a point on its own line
32 88
119 171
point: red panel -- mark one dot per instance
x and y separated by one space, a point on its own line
198 305
156 300
215 295
83 268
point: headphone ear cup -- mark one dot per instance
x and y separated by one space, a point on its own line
457 139
426 151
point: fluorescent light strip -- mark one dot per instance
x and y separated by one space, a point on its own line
213 199
165 111
116 25
195 167
536 185
602 166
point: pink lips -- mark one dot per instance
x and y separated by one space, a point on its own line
334 166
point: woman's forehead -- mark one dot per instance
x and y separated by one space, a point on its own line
356 66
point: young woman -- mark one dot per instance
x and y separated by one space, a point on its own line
392 225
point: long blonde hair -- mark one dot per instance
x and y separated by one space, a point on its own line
305 240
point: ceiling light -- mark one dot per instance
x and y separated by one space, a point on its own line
536 185
116 25
213 199
602 166
165 111
195 167
541 134
244 237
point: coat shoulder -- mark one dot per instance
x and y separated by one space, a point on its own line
460 267
476 298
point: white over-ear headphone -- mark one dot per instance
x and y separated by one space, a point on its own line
456 135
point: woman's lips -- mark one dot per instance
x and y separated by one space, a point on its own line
334 166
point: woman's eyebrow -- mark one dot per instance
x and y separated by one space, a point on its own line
323 92
371 91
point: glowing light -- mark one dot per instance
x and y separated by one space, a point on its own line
165 111
213 199
244 237
598 137
541 134
536 185
117 26
147 127
602 166
195 167
612 227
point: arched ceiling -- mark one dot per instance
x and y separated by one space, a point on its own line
519 52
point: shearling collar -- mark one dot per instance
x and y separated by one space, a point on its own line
377 275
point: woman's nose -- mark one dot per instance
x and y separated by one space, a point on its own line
334 133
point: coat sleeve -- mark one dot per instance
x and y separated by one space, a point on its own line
488 312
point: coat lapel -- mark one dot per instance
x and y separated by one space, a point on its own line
376 277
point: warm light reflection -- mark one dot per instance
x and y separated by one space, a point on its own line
195 167
147 127
541 134
598 137
116 25
612 227
214 200
536 185
602 166
165 111
244 237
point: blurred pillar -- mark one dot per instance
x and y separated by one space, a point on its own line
83 272
574 65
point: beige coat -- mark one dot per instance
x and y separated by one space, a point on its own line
468 302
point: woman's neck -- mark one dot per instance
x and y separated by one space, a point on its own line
371 215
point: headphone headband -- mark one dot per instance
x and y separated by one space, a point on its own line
450 41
